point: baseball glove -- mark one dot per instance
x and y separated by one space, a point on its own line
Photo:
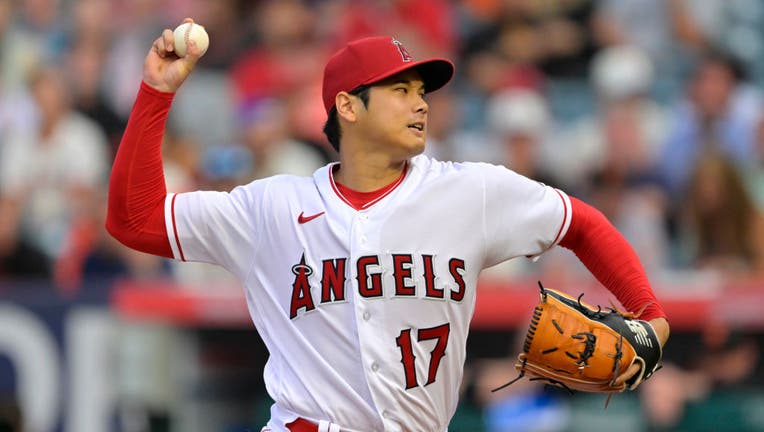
575 346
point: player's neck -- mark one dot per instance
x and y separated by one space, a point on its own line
366 172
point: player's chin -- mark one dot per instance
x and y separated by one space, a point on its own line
415 147
417 141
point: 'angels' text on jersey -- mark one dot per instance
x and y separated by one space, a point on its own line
369 270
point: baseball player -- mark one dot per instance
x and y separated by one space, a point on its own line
361 279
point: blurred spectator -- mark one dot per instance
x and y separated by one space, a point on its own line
724 229
504 51
85 66
519 119
645 24
205 109
286 54
134 26
262 124
545 46
286 63
670 32
87 21
426 26
305 118
734 26
628 128
720 112
552 36
49 175
703 392
34 33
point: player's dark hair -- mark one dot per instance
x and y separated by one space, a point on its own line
332 125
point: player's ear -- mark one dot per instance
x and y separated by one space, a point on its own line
347 106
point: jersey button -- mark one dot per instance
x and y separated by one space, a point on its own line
374 367
364 217
366 316
363 239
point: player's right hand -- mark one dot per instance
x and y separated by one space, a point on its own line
165 71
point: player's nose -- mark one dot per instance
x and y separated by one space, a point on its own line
421 106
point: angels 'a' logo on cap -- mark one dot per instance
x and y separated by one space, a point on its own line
402 49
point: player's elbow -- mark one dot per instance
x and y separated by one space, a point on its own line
119 229
143 240
141 232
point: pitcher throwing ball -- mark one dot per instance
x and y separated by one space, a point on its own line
361 279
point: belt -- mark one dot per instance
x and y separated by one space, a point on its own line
302 425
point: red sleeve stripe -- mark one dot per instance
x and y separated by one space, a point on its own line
177 249
565 218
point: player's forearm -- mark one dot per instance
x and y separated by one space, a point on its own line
610 258
137 187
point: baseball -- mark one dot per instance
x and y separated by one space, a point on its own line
190 31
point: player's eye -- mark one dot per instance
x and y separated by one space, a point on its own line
403 90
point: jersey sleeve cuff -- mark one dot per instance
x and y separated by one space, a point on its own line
172 227
567 211
566 217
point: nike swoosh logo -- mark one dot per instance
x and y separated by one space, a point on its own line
303 219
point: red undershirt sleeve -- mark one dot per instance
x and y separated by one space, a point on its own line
610 258
137 187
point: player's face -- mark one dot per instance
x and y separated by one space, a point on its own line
396 117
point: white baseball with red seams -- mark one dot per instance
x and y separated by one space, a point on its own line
366 312
190 31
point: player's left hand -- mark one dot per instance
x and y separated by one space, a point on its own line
662 330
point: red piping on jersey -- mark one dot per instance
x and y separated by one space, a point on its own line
175 228
564 217
363 200
610 258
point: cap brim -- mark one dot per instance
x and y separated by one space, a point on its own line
435 73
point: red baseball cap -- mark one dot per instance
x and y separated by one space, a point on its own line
368 60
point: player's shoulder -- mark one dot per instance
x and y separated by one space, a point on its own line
281 181
284 185
465 170
288 181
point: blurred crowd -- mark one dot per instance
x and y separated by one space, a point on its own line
651 110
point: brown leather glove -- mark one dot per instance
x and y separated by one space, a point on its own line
576 346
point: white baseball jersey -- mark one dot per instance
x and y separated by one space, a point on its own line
366 312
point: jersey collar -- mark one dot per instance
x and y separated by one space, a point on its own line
360 200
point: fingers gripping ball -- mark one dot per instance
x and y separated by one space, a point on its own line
190 31
578 347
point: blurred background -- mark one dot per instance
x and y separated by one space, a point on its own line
651 110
